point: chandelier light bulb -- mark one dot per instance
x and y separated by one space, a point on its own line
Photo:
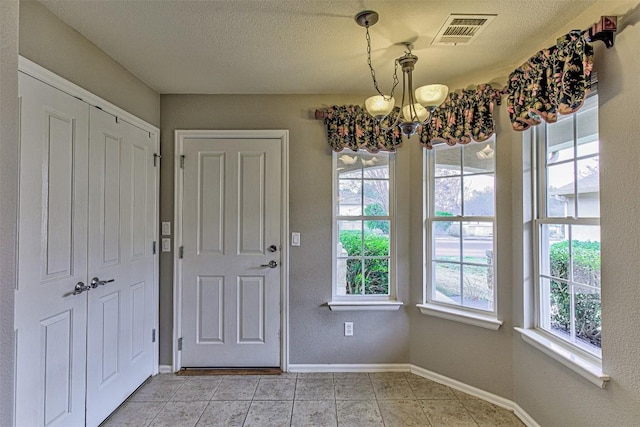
421 113
431 95
379 106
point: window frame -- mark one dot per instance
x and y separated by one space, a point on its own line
541 218
430 306
364 302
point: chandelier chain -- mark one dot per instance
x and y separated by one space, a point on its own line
373 72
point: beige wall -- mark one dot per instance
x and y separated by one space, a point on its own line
49 42
316 334
8 194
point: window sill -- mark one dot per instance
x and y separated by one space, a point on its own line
576 363
364 305
459 315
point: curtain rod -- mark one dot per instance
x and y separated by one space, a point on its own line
603 30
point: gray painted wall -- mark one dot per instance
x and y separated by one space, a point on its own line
8 198
546 390
476 356
316 334
499 362
49 42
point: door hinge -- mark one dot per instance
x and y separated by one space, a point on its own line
156 157
153 335
154 247
182 161
179 344
181 252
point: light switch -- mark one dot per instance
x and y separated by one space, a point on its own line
166 245
166 229
295 239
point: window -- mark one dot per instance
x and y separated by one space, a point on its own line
363 226
460 227
568 230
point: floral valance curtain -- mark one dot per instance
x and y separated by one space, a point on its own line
350 126
464 116
553 81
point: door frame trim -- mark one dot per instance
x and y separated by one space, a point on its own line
180 136
38 72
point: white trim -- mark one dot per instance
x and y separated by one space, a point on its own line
461 315
38 72
476 392
372 367
580 365
283 135
165 369
524 416
355 300
365 305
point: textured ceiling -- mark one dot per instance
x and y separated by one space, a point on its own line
305 46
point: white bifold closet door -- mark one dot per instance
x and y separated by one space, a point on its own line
121 231
87 210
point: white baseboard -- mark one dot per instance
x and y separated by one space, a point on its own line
373 367
465 388
433 376
524 416
479 393
165 369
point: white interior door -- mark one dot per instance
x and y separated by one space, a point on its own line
231 223
121 232
50 321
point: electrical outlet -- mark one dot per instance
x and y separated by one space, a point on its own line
348 329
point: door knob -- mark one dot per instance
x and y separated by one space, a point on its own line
95 282
272 264
80 288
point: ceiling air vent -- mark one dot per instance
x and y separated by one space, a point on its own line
462 29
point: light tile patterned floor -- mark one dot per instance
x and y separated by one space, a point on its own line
313 399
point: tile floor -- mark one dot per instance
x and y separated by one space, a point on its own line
309 399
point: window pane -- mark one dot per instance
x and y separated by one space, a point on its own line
555 307
350 238
446 245
447 162
477 287
353 277
560 190
349 165
477 243
587 127
560 135
375 166
350 197
588 329
376 197
560 154
554 250
376 276
589 188
478 195
479 157
447 195
376 238
585 254
446 282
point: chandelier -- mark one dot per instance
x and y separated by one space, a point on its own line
416 106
